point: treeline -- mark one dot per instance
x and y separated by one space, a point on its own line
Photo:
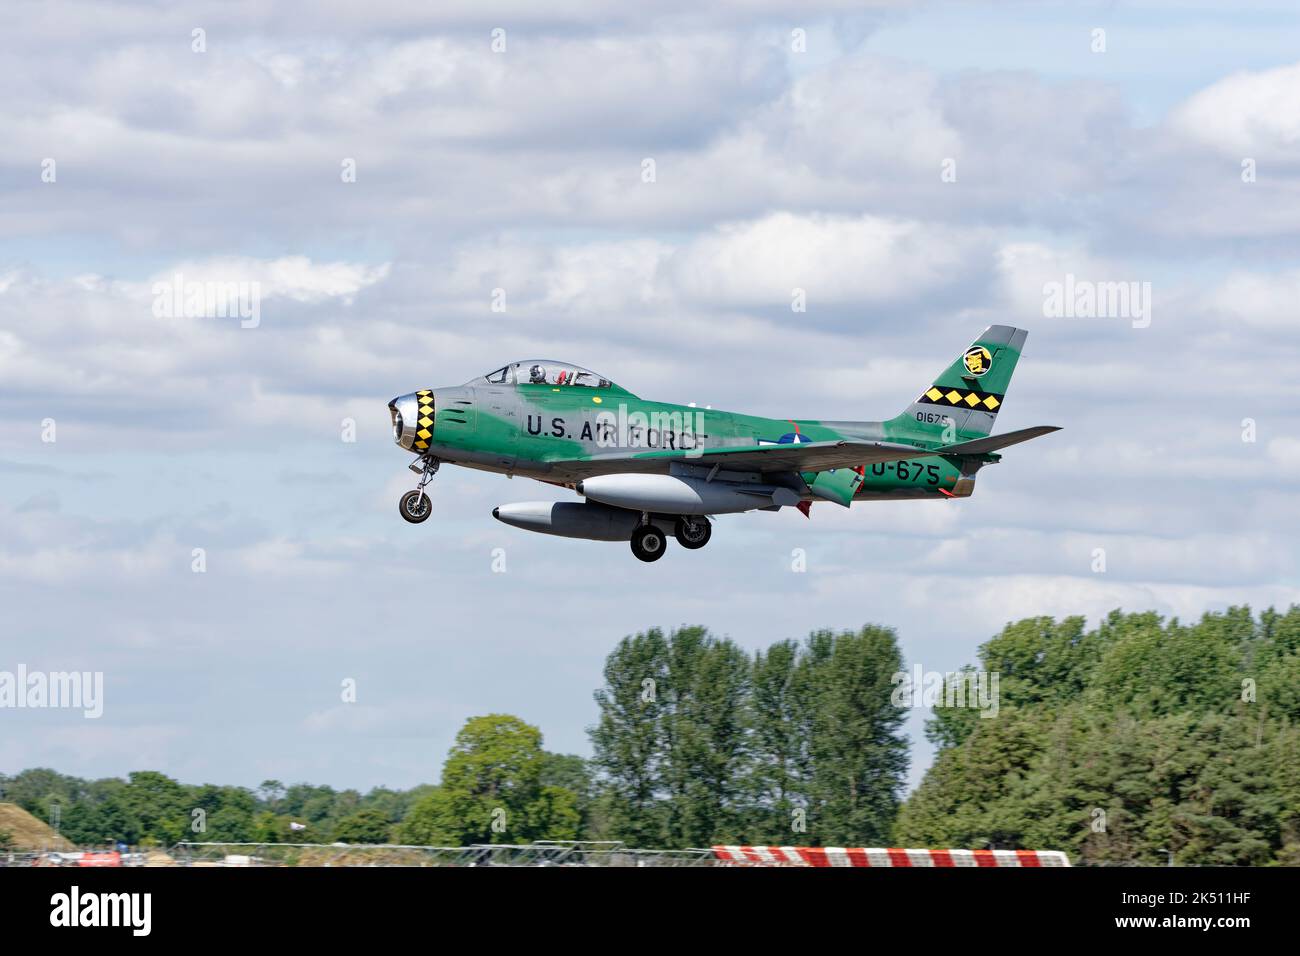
697 742
1140 741
496 775
152 809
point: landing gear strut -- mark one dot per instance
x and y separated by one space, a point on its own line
415 506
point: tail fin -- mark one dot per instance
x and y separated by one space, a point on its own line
964 400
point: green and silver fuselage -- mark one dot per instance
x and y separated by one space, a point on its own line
564 435
560 423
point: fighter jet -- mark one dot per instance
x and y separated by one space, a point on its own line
646 470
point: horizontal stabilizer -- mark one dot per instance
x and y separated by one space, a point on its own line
982 446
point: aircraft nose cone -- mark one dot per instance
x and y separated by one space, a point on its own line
409 413
496 513
398 422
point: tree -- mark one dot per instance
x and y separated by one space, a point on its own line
228 814
492 791
703 730
153 808
856 751
270 792
364 826
626 739
1139 740
781 718
571 772
670 745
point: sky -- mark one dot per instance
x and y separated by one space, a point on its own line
380 170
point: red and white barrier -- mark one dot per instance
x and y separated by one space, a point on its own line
843 856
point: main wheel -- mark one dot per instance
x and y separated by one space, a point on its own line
415 506
693 532
648 543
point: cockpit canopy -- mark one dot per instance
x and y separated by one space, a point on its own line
546 372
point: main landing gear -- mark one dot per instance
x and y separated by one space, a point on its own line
693 532
415 506
649 543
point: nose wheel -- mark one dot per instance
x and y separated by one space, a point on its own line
415 506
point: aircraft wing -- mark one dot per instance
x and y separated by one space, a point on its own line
793 457
804 456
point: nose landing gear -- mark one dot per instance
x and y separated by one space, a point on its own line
415 506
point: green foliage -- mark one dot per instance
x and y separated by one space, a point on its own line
671 745
572 773
698 743
492 790
1140 741
151 809
781 724
856 749
365 826
627 739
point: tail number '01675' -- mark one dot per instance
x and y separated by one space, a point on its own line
933 418
907 471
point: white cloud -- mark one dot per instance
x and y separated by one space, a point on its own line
1247 114
1269 300
867 260
293 277
1285 451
